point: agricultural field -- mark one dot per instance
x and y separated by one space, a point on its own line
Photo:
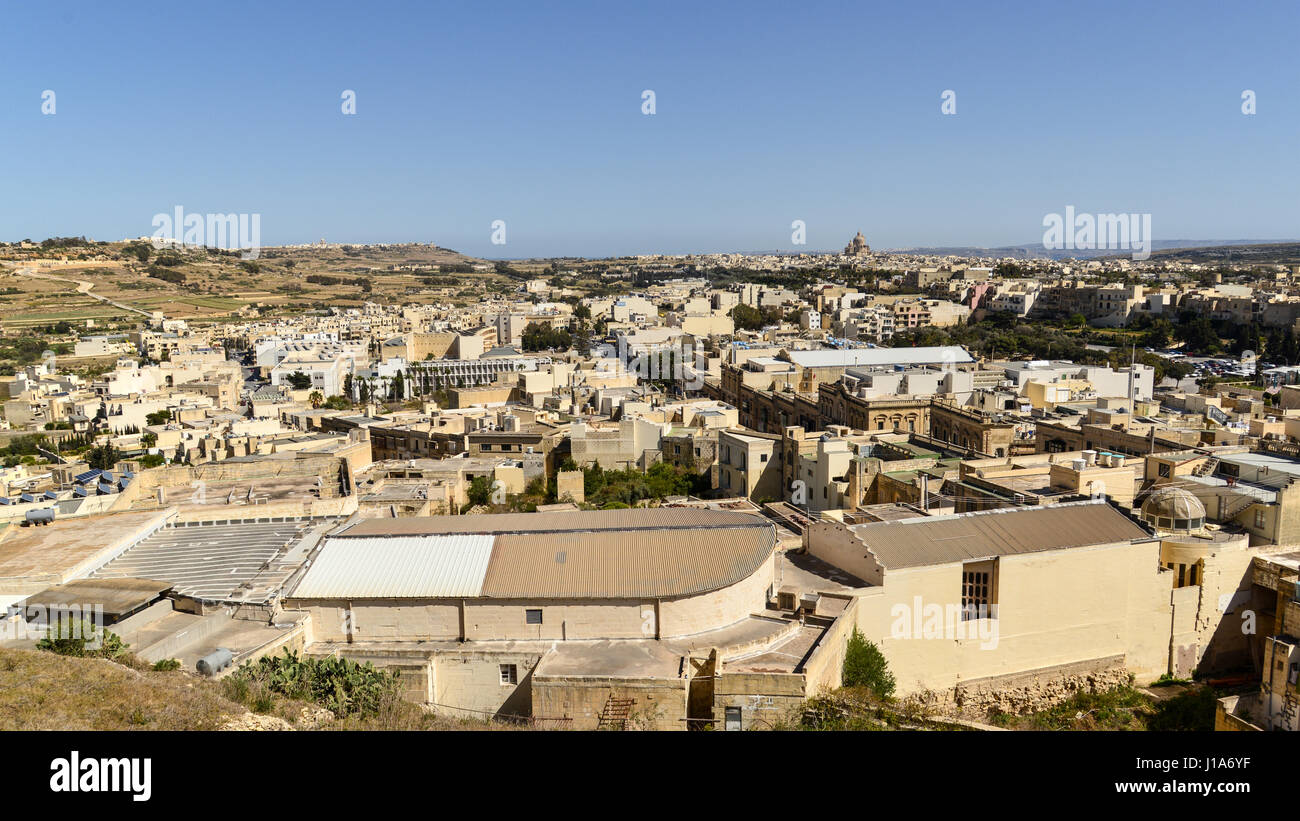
51 296
199 284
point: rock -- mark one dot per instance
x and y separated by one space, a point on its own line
253 721
311 718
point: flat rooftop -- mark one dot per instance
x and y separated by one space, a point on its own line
115 596
786 656
68 548
597 659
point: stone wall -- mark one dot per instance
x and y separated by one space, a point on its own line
657 704
1031 691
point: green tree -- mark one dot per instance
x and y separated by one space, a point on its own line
865 666
1198 333
747 318
480 490
103 457
542 337
299 381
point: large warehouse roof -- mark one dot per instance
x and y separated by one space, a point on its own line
399 567
1002 532
657 553
572 521
859 357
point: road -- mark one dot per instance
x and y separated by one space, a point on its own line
83 287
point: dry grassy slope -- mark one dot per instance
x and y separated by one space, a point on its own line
43 691
216 285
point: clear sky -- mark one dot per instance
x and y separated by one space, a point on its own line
531 113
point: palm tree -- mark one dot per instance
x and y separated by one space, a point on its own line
315 398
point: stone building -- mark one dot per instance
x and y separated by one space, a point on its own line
1014 609
983 433
857 246
664 619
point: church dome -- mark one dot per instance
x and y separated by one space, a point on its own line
1172 508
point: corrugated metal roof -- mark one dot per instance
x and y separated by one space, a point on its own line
398 567
850 357
657 553
633 564
967 536
630 519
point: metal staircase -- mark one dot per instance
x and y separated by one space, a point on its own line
1232 507
615 714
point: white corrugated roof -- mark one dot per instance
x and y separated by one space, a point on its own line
399 567
850 357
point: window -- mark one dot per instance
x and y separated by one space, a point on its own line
509 674
732 718
764 457
978 600
1164 471
1259 518
532 616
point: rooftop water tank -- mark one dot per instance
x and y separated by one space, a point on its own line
44 516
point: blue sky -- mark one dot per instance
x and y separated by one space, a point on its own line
765 113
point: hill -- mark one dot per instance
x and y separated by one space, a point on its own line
41 690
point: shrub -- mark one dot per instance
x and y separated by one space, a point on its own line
69 637
865 666
341 685
166 665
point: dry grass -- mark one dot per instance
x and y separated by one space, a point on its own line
43 691
40 690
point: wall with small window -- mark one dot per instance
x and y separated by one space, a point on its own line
1054 608
488 682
